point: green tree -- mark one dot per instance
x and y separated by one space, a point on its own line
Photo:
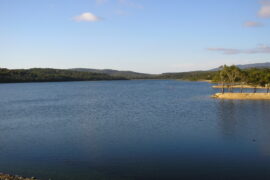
229 75
266 75
243 78
255 78
221 77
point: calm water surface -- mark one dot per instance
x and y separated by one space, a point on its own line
151 129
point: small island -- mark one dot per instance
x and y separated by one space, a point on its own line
231 78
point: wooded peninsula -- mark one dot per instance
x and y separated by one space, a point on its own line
232 77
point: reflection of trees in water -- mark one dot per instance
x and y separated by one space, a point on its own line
226 113
246 119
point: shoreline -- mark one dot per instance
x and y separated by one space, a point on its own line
242 96
11 177
238 87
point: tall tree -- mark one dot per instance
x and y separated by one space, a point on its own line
221 77
229 75
255 78
267 79
243 78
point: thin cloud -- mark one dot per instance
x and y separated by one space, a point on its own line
130 4
264 12
87 17
262 49
251 24
121 13
101 1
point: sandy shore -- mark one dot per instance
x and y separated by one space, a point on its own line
209 81
247 96
10 177
239 86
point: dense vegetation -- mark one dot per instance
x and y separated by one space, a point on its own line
191 76
230 76
48 75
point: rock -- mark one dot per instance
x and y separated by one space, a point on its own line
10 177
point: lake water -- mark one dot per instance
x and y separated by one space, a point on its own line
140 129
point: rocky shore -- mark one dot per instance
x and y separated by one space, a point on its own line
10 177
243 96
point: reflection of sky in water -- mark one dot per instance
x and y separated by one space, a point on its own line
131 129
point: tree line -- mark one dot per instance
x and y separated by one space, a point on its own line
190 76
229 76
51 75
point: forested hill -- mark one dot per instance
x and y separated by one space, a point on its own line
116 73
51 75
55 75
192 76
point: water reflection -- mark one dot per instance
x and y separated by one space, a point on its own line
227 117
246 120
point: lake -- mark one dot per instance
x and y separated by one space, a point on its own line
139 129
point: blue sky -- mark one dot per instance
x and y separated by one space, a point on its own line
150 36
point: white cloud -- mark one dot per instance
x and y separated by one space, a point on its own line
265 9
253 24
87 17
262 49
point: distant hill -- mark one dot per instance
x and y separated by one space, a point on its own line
247 66
85 74
116 73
